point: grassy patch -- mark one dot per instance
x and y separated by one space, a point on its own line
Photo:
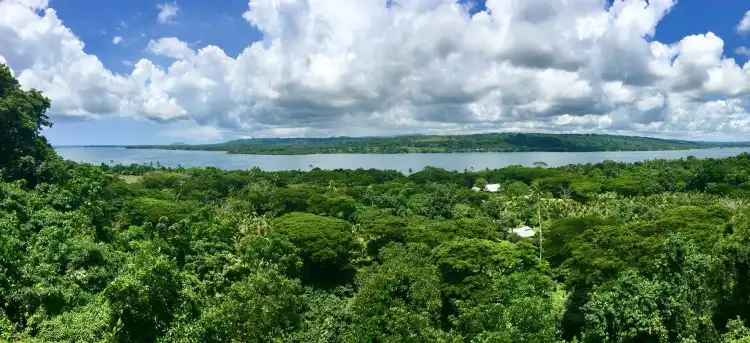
130 178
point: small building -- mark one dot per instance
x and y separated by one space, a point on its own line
493 187
476 189
524 231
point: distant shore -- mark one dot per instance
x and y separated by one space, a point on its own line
492 142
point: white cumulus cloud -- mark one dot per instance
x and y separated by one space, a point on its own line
170 47
47 56
329 67
116 40
167 12
744 25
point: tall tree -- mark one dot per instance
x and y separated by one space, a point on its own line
23 115
399 299
674 305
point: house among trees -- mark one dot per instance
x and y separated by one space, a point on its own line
481 186
493 187
524 231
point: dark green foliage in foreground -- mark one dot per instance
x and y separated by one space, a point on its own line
325 244
202 255
657 251
491 142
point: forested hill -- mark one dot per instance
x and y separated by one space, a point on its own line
491 142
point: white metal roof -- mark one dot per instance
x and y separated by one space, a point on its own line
494 187
524 231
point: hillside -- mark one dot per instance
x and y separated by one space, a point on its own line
492 142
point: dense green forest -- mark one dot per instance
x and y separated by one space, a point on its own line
657 251
490 142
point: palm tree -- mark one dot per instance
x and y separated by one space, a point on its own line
536 197
332 186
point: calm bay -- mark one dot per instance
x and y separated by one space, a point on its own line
400 162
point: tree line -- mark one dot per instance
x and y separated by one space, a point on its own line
490 142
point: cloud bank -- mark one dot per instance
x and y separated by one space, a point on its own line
329 67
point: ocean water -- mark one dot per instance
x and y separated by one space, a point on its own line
400 162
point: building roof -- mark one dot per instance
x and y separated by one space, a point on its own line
524 231
494 187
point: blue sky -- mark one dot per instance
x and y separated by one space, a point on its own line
197 22
97 22
200 23
691 17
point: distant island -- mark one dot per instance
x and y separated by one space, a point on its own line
490 142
